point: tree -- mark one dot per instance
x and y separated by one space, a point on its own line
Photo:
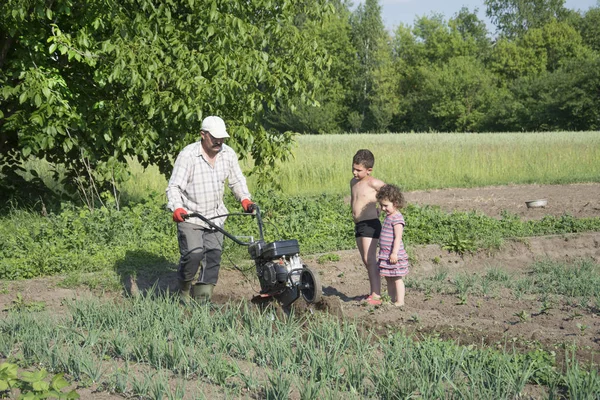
329 112
86 84
473 36
458 94
566 99
368 36
513 18
589 28
383 100
513 59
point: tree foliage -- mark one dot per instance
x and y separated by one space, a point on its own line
87 84
513 18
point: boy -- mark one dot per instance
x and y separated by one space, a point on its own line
363 200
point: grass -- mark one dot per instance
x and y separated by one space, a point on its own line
151 347
434 161
322 163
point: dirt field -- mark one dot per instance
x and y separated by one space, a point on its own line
482 320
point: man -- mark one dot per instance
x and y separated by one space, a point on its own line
197 184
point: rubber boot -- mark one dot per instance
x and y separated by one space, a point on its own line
184 292
202 292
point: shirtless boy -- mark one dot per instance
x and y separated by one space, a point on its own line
363 200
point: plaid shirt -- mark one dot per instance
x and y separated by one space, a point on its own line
196 186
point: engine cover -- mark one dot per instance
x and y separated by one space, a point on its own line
273 250
271 275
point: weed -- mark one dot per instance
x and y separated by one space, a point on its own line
547 305
20 305
575 314
582 328
385 297
523 316
329 257
458 244
462 299
428 294
34 384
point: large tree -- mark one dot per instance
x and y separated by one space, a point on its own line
513 18
88 83
371 43
328 113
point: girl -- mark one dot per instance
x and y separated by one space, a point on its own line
392 259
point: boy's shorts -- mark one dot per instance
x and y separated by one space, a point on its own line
368 228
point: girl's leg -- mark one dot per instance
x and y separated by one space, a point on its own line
391 287
399 291
396 290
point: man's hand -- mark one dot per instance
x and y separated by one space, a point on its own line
178 215
248 206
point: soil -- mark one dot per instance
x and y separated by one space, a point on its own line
491 320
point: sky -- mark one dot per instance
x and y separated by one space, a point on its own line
395 12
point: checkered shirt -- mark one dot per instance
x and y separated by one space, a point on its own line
196 186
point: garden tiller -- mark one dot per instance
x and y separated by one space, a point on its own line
280 270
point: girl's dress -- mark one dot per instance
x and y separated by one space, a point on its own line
386 242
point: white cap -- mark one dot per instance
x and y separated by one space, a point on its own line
215 126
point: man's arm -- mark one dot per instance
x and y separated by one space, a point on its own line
237 180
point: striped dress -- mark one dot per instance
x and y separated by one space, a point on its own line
386 242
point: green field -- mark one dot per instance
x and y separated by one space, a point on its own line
434 161
322 164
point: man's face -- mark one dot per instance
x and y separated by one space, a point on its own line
360 171
211 143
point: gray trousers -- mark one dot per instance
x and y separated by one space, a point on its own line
199 246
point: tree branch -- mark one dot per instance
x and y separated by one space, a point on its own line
5 44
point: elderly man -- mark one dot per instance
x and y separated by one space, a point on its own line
197 185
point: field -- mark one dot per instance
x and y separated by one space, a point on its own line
323 164
442 160
536 296
519 320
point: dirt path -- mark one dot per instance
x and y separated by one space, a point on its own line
496 319
577 200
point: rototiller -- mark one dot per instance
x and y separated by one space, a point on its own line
280 270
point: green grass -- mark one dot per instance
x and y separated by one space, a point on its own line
432 161
151 347
323 163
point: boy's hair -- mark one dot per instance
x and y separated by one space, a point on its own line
392 194
365 158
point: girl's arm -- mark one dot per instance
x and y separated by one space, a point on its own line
398 229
